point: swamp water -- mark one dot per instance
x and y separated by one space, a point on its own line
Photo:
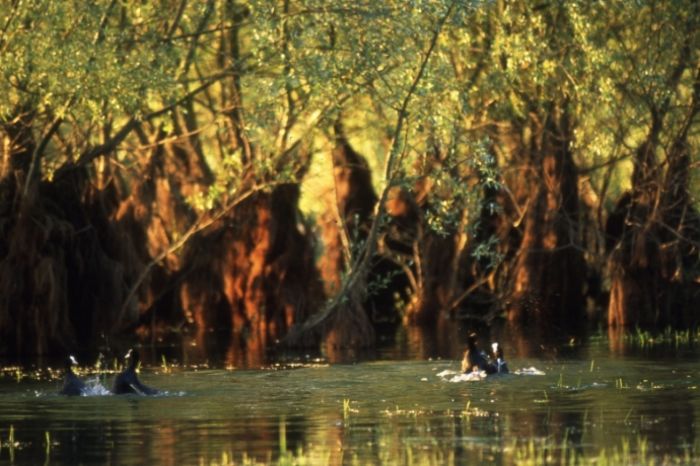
591 406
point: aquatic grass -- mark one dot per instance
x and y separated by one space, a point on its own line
315 456
536 452
166 367
629 413
643 338
470 412
11 443
620 384
533 452
346 408
282 435
466 412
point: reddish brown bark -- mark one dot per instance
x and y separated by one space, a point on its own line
350 327
54 269
61 283
77 242
654 232
433 254
355 194
253 272
146 223
331 261
548 275
356 201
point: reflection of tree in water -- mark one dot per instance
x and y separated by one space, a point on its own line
558 431
665 418
442 341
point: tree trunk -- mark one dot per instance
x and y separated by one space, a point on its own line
253 271
654 262
548 276
355 200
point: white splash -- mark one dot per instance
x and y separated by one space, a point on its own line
94 387
449 375
455 376
532 370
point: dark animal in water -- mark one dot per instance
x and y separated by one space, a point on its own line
127 381
500 365
474 359
72 385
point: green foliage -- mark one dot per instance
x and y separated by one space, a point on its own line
88 60
301 61
254 77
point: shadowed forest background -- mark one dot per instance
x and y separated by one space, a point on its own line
306 173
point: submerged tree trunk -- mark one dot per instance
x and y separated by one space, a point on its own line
348 323
655 228
434 258
355 200
149 220
492 246
60 283
72 246
549 272
654 265
253 271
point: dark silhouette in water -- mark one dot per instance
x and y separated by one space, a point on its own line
474 358
72 385
499 363
127 381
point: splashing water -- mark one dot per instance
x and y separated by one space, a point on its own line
532 370
408 411
456 376
94 387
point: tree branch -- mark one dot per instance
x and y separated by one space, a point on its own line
360 267
91 154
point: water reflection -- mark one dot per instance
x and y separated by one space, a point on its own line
390 411
446 340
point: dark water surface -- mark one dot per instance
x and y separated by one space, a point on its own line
593 405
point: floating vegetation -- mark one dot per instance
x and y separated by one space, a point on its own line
407 412
542 400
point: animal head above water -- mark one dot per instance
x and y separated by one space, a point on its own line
132 358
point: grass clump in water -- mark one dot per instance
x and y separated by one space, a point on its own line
548 452
668 337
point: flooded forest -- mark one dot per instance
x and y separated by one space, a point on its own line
311 174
